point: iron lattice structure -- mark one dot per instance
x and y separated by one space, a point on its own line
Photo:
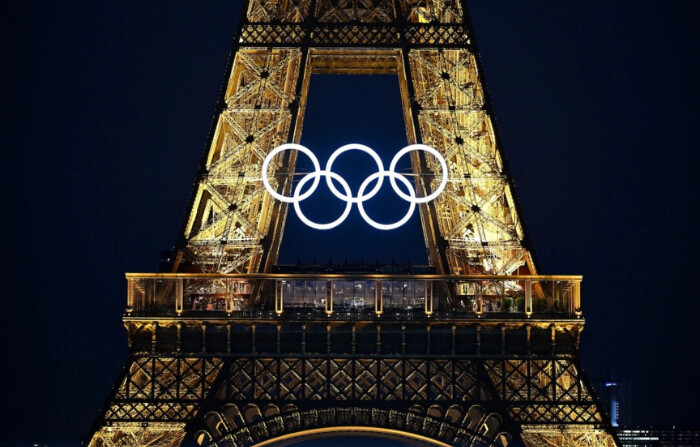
234 374
234 226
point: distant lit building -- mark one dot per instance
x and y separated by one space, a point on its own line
615 396
660 436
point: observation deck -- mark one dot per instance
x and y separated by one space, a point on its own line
352 296
340 314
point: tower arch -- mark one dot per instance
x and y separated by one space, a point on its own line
270 426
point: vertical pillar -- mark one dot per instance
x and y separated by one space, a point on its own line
403 339
576 299
329 298
353 343
503 340
178 296
129 341
478 340
577 334
528 329
129 296
428 297
178 345
279 338
479 298
279 296
427 339
228 338
252 339
554 338
154 339
331 367
328 338
230 290
378 297
528 298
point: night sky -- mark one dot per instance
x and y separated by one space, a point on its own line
106 107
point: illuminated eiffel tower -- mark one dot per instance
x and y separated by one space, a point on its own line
230 350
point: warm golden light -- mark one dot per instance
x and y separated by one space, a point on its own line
371 432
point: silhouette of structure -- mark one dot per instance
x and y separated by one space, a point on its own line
474 349
615 395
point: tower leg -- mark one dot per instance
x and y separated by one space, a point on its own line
131 434
569 436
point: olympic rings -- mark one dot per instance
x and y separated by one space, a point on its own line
266 164
434 153
405 218
348 197
317 176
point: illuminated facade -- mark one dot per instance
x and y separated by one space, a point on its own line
476 349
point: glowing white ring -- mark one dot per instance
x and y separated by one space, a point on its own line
431 151
391 176
317 175
266 165
360 197
348 197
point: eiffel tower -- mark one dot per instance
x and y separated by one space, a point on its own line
230 349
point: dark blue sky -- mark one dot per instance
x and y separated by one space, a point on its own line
336 115
105 112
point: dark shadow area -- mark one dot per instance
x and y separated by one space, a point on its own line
352 441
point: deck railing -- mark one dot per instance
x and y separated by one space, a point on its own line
352 295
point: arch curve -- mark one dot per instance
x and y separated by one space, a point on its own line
374 432
275 426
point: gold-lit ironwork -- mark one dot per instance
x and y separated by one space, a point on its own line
481 351
352 431
235 226
188 294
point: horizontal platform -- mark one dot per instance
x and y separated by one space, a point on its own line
354 35
330 337
357 297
